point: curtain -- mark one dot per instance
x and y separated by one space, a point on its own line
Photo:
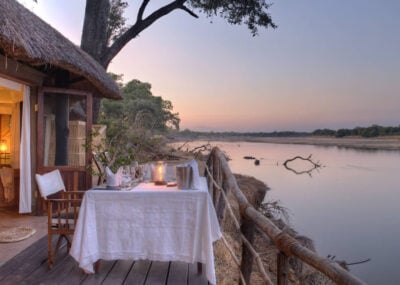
25 187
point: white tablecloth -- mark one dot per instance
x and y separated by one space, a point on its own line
148 222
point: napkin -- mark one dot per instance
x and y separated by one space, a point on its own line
113 180
196 181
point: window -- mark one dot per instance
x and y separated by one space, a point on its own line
64 129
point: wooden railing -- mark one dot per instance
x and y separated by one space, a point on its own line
220 182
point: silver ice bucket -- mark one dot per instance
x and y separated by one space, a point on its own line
184 176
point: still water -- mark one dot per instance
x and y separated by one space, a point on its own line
350 207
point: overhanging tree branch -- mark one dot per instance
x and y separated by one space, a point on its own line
141 9
184 8
139 26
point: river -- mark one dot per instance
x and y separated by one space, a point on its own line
349 207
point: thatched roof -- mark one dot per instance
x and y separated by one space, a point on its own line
27 38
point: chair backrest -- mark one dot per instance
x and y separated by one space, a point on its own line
50 183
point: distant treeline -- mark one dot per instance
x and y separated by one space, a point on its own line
196 134
367 132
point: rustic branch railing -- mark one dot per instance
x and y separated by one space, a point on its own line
220 182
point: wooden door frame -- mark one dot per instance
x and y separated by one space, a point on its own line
40 133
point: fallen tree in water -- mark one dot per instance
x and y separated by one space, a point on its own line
314 165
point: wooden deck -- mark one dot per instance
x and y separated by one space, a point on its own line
30 267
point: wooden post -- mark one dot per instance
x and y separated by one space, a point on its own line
283 268
209 164
220 207
247 228
216 170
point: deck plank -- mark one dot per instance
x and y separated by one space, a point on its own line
196 278
138 273
105 267
30 267
41 269
21 259
40 272
75 276
119 272
178 273
30 261
158 273
59 273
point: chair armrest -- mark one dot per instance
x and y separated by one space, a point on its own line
63 213
73 194
59 200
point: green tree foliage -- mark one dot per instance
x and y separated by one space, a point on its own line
323 132
116 20
342 133
371 131
140 109
134 122
366 132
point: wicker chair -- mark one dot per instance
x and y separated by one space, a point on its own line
62 210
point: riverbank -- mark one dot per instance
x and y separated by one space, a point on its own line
377 143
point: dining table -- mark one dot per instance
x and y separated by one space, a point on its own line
147 222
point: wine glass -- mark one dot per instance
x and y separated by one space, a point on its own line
134 171
144 172
126 177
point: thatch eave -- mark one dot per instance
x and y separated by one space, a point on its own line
27 39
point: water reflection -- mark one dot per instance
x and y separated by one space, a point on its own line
350 209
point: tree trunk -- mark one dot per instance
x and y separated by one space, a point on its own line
94 34
94 37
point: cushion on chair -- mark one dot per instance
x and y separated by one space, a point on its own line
50 183
65 217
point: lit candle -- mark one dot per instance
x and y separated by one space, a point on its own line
160 173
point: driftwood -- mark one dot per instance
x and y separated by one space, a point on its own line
256 161
248 157
346 264
286 244
196 151
315 165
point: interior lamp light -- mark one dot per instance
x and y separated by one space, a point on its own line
3 146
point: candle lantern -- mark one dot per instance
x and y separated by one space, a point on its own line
3 146
158 173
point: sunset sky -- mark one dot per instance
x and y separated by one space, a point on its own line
329 64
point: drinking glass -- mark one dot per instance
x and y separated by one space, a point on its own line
134 170
144 172
126 177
